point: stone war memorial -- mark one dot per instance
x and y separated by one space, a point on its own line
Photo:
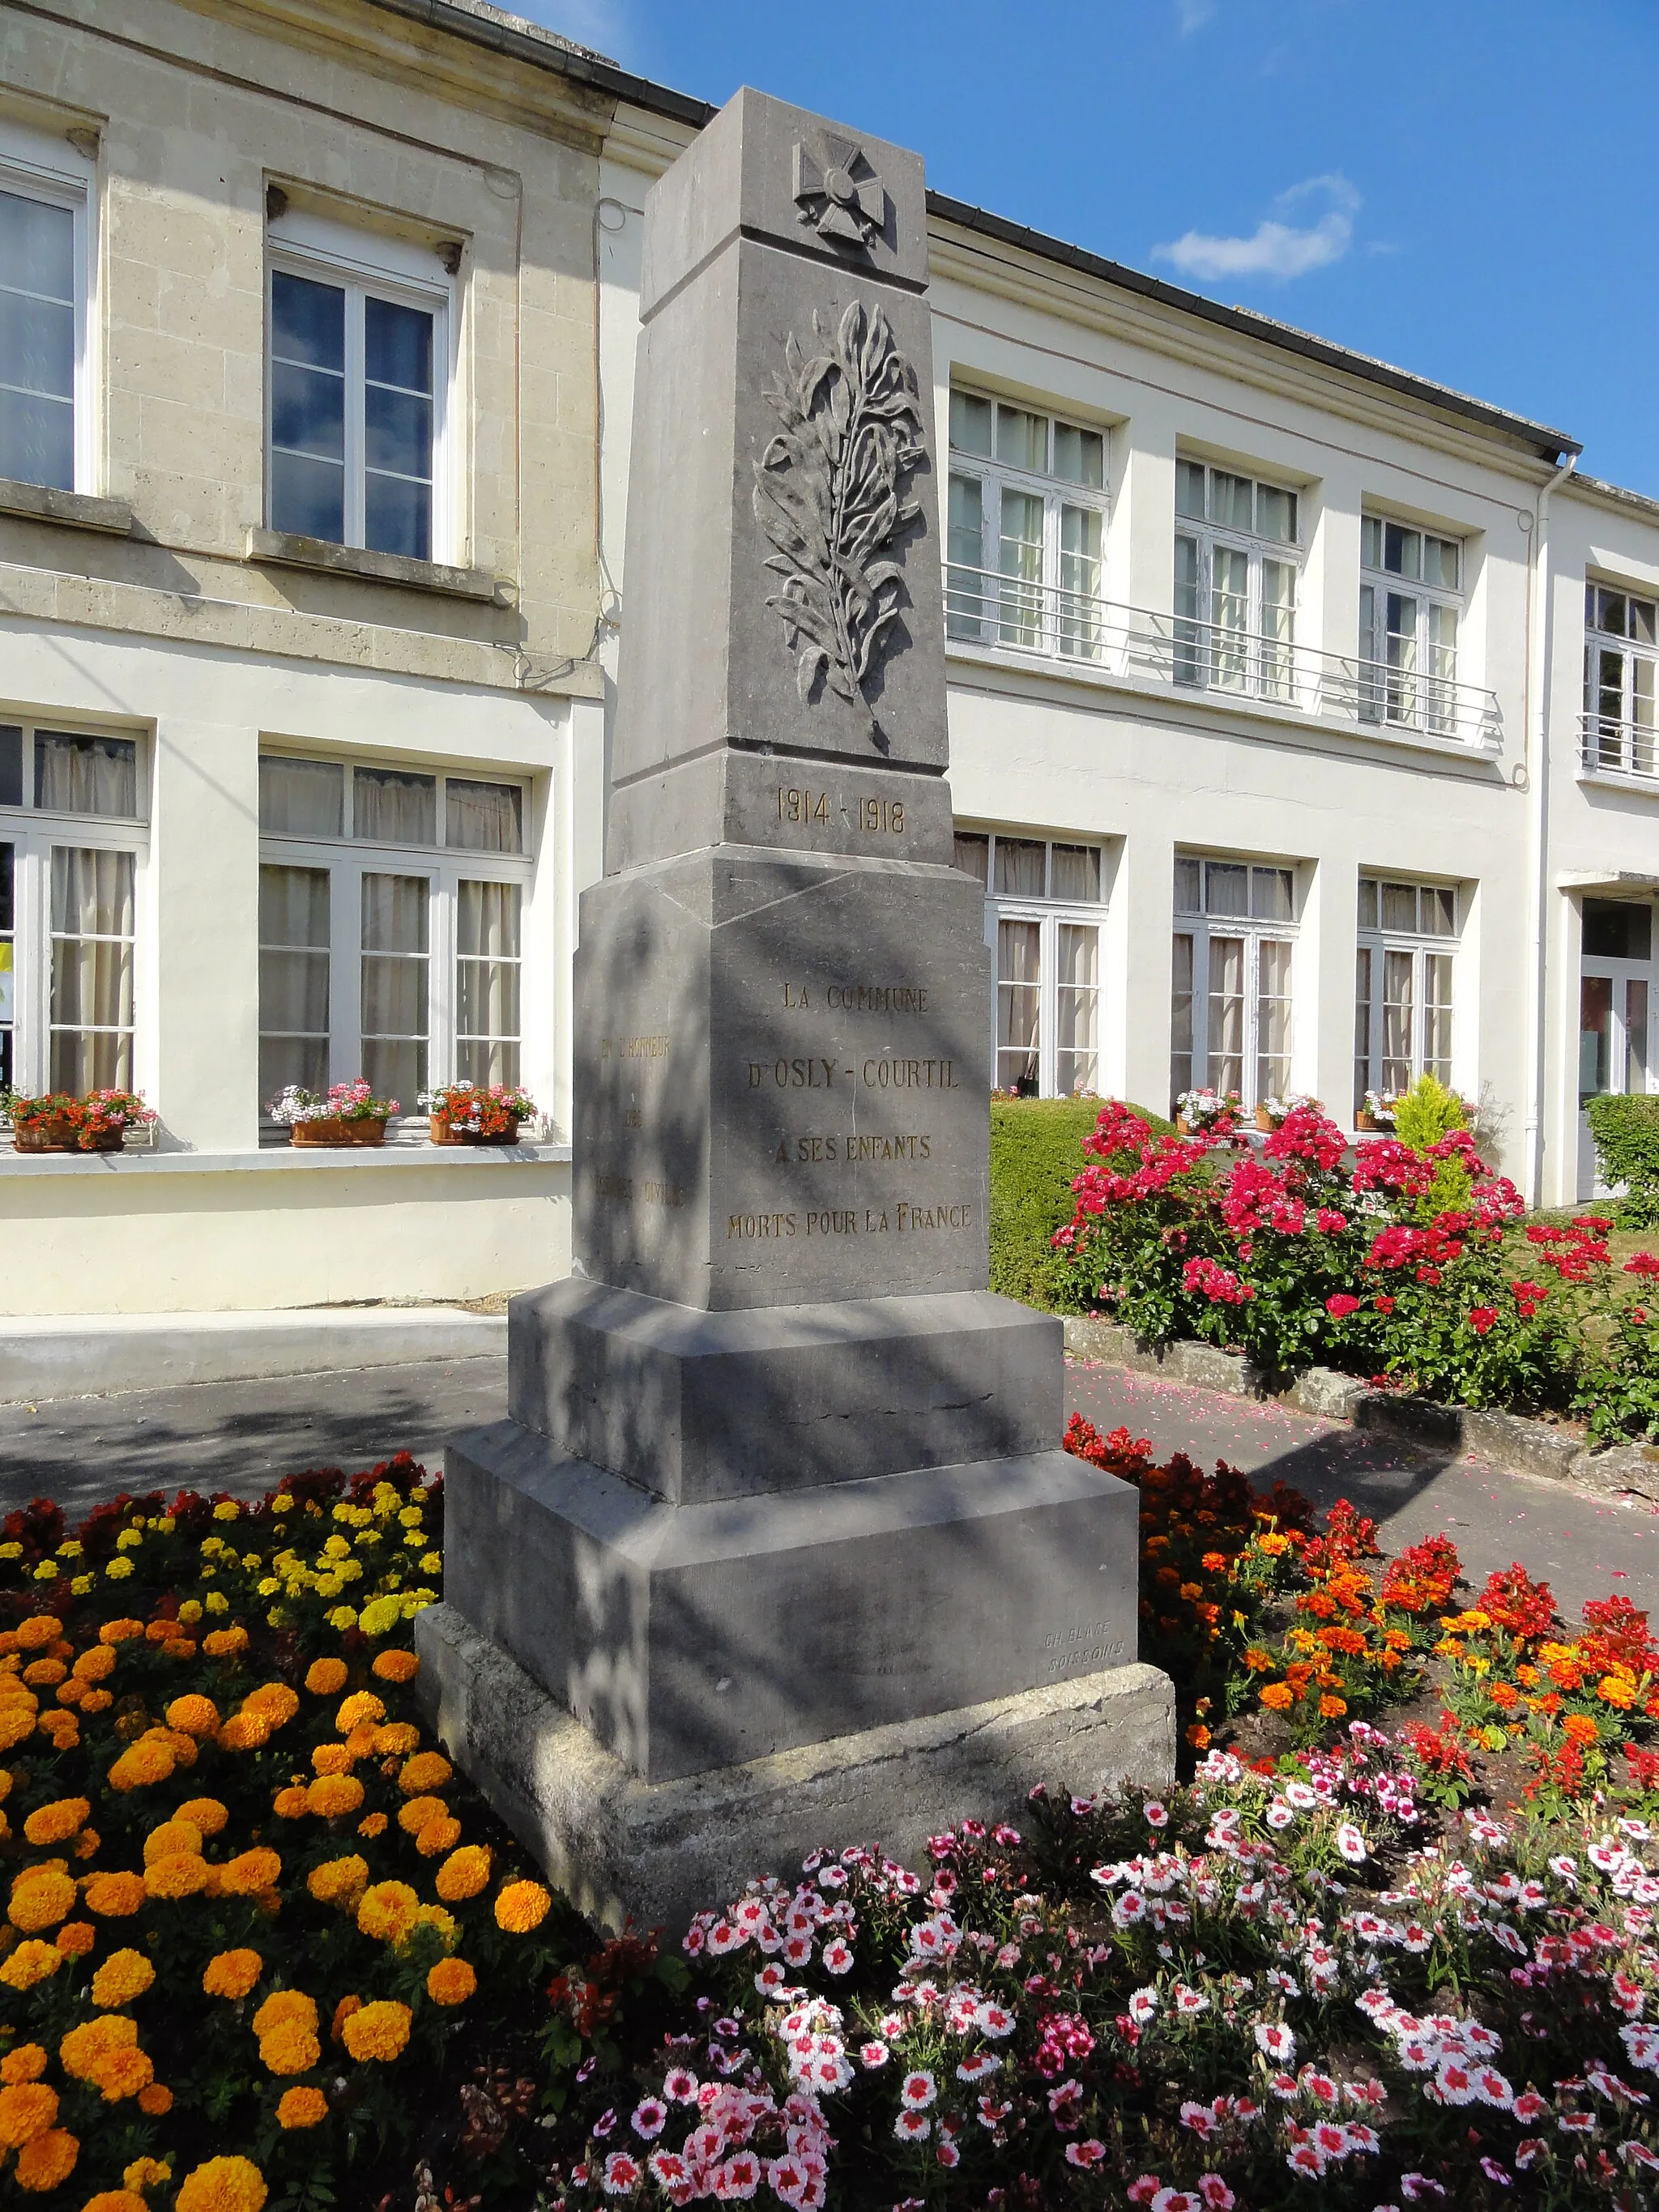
778 1546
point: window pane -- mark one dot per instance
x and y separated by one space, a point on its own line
1188 886
92 931
487 1016
302 798
1270 893
1400 907
394 988
1021 557
1190 489
293 906
11 765
1439 911
1226 887
1636 1036
1594 1036
1189 659
1020 866
1022 440
398 517
395 914
394 807
85 776
37 342
307 411
1362 1026
1402 551
1370 542
1273 1018
1275 514
1644 617
970 423
484 818
1617 929
397 344
1076 872
1018 1005
1397 1069
308 322
1079 617
1180 1016
1437 1016
964 593
487 921
1077 1007
1367 903
1230 616
398 432
1224 1034
973 853
1440 562
308 497
1080 456
1231 500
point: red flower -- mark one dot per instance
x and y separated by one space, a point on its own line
1341 1306
1481 1318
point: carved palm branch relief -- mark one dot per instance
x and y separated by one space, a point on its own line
830 498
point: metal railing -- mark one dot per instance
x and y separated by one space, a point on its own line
1610 747
1041 621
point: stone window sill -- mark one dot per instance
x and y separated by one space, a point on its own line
283 548
76 510
377 1159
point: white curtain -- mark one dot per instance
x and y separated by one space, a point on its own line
1019 867
92 931
293 979
1273 1018
85 776
487 922
394 985
484 818
302 798
1225 1038
1077 1000
1076 873
393 807
1019 953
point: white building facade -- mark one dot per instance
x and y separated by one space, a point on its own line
1302 712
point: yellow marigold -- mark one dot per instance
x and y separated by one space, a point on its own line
372 1824
124 1976
40 1897
291 1804
76 1937
155 2098
87 2046
179 1874
361 1705
145 2172
27 2062
325 1676
31 1962
521 1906
302 2108
223 2185
275 1700
206 1814
413 1815
397 1666
452 1981
397 1739
48 2163
343 2012
121 2073
250 1871
289 2048
120 1632
427 1769
27 2109
332 1795
40 1630
148 1760
387 1911
173 1836
332 1758
232 1973
244 1732
194 1714
113 1896
220 1642
438 1837
378 2031
464 1873
339 1881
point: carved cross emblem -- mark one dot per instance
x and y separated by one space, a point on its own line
838 193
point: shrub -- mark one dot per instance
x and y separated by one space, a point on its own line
1428 1112
1626 1134
1035 1143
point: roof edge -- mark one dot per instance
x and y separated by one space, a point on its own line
498 32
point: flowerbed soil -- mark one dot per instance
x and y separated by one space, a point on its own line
264 1950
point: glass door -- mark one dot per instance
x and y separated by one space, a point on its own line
7 962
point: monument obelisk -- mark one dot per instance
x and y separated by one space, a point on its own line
777 1545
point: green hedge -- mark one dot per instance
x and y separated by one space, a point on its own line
1036 1147
1626 1134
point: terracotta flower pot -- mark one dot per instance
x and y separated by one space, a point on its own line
365 1131
60 1135
443 1131
1265 1122
1369 1126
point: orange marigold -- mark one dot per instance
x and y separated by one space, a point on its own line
332 1758
205 1815
339 1881
1276 1696
451 1982
115 2200
438 1837
275 1700
285 2005
332 1795
397 1666
220 1642
46 2163
1331 1708
179 1874
302 2108
76 1937
26 2062
194 1715
232 1973
124 1976
148 1760
521 1906
387 1911
16 1722
1580 1728
171 1837
31 1962
27 2109
292 1803
427 1769
223 2185
360 1705
57 1822
250 1871
378 2031
40 1630
121 2073
156 2098
95 1664
397 1739
1617 1690
289 2048
416 1812
244 1732
372 1824
325 1676
85 2048
343 2012
41 1896
464 1873
120 1632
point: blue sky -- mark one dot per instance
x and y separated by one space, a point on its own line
1464 188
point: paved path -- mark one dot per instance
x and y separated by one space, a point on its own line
242 1436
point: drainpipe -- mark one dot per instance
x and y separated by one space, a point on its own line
1540 663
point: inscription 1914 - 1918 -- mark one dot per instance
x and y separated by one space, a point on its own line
801 808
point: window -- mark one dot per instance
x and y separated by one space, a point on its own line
43 327
1402 1024
1410 604
1230 999
1236 574
72 842
1621 646
391 927
356 386
1045 903
1614 993
1026 522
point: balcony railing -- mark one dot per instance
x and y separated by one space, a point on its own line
1044 622
1610 747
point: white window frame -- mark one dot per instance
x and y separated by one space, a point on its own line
33 832
1051 913
1624 741
1203 926
37 165
1205 656
1423 698
1420 946
1044 615
349 858
329 253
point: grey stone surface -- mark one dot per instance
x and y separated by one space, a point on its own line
77 510
663 1851
1619 1470
284 548
737 797
699 1406
1322 1390
692 1637
781 1080
1525 1447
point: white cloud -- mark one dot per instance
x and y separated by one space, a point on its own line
1193 14
1274 248
605 24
